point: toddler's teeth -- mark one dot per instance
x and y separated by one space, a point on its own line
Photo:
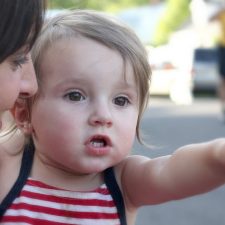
97 144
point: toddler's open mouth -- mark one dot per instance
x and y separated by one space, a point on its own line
99 141
98 145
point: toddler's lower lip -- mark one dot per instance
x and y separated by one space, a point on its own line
97 151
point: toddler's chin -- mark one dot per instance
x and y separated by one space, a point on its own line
97 169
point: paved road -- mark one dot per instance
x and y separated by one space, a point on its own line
168 127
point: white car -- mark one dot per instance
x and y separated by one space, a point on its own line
168 77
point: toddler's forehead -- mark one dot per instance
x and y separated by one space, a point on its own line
57 47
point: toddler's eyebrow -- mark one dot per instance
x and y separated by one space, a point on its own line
74 80
127 85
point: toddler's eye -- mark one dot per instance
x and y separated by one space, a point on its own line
121 101
75 96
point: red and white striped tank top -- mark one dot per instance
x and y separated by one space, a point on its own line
39 203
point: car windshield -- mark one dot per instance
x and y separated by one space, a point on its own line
206 55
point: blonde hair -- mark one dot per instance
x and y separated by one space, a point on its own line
105 30
8 124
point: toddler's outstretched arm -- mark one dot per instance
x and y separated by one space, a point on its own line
191 170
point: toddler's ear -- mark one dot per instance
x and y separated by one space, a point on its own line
21 113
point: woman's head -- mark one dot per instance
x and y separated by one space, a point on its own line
21 21
104 30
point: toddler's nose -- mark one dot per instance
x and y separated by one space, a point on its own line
101 116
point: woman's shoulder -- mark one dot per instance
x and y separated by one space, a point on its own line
11 144
11 138
11 152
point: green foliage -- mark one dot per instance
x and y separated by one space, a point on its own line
65 4
176 13
104 5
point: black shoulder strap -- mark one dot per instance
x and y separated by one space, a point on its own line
114 189
27 161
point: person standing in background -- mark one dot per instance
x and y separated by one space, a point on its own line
220 17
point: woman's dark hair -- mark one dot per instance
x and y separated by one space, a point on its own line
20 23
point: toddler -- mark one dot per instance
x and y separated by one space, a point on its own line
93 76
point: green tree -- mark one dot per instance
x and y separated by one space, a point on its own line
176 14
104 5
65 4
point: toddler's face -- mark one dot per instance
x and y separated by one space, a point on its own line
85 117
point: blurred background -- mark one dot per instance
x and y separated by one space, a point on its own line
184 108
179 36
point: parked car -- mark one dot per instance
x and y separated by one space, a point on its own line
168 77
205 69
